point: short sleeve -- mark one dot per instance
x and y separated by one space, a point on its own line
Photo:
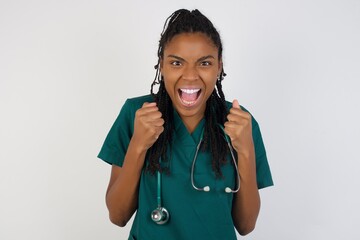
116 142
263 173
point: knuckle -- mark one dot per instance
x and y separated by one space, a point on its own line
138 112
161 129
157 115
153 130
234 110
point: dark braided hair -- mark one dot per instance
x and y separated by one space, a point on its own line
185 21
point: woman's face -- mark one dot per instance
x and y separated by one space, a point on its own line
190 67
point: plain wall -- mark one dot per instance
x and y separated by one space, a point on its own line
66 68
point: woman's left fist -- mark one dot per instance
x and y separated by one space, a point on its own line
239 129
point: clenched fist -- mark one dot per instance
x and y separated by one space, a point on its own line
239 129
148 125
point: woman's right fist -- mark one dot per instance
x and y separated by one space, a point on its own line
148 125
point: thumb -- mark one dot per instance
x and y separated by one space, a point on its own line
235 104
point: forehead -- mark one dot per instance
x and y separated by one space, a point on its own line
190 43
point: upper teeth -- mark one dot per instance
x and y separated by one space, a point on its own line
190 91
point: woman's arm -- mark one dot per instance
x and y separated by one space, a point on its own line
122 192
123 189
246 202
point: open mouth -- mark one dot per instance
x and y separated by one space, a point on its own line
189 96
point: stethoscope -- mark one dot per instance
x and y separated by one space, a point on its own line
160 215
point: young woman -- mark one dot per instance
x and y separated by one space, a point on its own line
187 161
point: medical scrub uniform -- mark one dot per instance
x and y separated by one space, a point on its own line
193 214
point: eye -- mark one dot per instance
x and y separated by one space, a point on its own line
175 63
205 63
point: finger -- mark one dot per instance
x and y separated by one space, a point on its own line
238 117
235 104
147 104
239 113
153 115
158 131
232 117
230 126
158 122
229 130
147 109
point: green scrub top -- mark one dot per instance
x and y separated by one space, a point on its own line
193 214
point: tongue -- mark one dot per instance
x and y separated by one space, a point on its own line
189 97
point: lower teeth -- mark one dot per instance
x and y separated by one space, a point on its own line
188 103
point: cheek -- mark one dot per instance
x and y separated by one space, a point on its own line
169 87
171 75
210 73
168 76
210 85
210 79
170 79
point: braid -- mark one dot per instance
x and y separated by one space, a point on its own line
215 114
160 147
185 21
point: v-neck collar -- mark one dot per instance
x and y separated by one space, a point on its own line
183 135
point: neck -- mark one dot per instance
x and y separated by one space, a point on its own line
191 122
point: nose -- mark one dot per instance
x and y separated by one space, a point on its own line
190 73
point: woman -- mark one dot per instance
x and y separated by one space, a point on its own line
187 161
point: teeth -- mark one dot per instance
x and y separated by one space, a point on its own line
187 102
190 91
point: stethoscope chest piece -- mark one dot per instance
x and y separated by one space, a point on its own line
160 215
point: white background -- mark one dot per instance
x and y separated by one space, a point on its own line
66 68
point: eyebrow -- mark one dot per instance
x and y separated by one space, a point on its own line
199 60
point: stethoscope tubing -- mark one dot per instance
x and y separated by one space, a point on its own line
159 189
160 215
207 188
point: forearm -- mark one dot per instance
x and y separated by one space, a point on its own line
122 194
246 203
